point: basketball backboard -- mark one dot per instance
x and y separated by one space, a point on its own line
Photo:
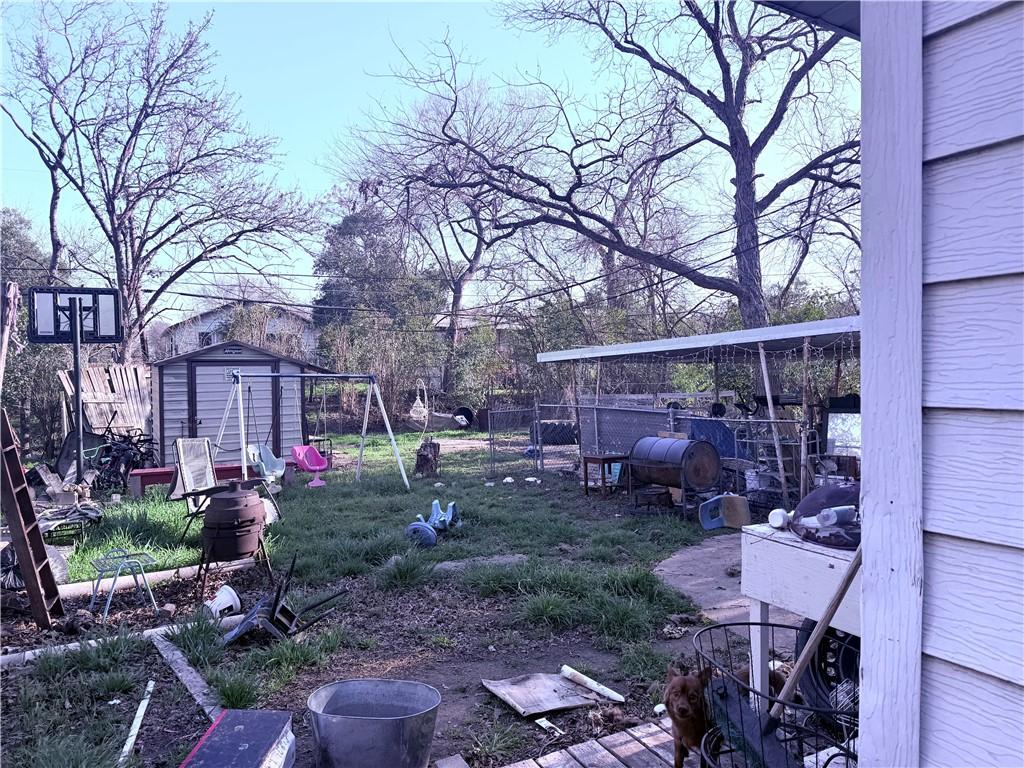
49 318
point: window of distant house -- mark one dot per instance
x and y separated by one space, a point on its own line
205 338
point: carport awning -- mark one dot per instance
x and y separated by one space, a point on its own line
839 335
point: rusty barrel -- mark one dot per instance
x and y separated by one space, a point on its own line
670 461
232 524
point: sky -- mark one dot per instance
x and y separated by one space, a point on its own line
309 73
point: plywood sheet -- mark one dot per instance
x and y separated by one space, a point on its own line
538 693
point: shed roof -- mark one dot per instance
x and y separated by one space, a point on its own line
251 347
839 333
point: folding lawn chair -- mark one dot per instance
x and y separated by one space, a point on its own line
193 472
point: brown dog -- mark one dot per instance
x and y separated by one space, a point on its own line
684 700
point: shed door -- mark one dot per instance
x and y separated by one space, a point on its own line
212 388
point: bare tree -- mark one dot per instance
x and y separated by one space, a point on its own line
128 116
443 230
714 83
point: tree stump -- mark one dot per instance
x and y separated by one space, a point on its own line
428 458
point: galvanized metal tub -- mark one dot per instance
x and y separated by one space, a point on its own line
371 723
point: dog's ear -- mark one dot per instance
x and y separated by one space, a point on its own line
672 673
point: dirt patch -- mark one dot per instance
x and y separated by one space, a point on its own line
128 611
173 723
451 639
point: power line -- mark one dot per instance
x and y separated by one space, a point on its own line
292 276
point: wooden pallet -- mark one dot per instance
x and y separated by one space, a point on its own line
44 597
645 746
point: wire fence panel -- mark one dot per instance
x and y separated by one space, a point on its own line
510 448
614 429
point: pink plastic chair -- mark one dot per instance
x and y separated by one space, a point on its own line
309 459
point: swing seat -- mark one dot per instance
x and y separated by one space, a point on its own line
265 462
309 459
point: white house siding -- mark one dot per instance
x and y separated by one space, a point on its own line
207 328
972 672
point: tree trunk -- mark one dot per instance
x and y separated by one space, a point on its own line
56 246
611 279
753 310
452 337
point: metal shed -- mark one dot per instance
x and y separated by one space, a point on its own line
191 391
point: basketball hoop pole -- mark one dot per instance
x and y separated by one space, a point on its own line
75 309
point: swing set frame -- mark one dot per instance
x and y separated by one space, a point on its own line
236 402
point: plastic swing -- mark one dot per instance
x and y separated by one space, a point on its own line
260 455
323 444
307 457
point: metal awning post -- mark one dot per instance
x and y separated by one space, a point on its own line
241 428
75 309
362 435
775 429
597 415
805 476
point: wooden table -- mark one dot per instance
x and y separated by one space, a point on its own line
645 746
781 569
603 460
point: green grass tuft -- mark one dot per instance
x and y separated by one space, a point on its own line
619 618
549 609
496 743
198 637
105 685
641 661
235 690
408 570
68 750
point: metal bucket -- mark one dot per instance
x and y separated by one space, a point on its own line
374 723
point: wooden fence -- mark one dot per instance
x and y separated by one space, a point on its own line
118 395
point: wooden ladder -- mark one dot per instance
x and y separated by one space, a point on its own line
44 597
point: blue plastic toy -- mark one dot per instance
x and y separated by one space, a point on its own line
423 533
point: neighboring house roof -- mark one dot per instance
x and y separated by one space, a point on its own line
296 312
251 347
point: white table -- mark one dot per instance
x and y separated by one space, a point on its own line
781 569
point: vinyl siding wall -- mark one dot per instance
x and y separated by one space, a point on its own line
972 671
173 405
291 409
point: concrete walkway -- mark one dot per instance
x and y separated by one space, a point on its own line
709 574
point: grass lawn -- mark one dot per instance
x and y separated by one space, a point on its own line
586 594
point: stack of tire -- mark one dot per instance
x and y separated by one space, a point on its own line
554 432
